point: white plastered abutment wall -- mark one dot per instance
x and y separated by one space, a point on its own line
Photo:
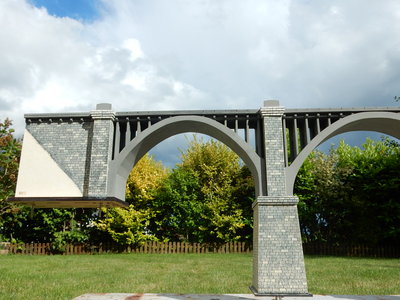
40 176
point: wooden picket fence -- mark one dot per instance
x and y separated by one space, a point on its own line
148 247
351 250
182 247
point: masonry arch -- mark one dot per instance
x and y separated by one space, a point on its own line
123 162
383 122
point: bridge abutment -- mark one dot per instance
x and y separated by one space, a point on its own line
278 262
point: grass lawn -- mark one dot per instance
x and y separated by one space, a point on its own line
65 277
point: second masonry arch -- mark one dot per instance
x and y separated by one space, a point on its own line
383 122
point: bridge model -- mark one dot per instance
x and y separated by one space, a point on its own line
84 159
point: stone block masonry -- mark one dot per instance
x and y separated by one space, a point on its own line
274 149
101 150
278 256
66 141
278 262
80 146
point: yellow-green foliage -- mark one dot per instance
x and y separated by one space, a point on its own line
126 226
144 179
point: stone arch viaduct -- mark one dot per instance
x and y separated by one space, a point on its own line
84 159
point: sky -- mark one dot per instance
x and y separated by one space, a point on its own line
68 55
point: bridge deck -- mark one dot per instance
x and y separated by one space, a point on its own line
300 126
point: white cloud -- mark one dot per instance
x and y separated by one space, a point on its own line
304 53
134 47
202 54
50 64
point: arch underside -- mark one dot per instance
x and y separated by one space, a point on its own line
383 122
123 162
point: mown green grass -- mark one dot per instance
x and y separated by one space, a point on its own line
353 276
65 277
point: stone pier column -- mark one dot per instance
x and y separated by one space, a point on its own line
100 150
278 262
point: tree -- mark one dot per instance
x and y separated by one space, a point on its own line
177 207
51 225
376 190
324 196
130 226
144 180
201 201
125 226
351 194
10 151
23 224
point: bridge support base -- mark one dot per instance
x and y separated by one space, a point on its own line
278 262
256 293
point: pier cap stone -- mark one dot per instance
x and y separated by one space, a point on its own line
271 103
272 108
103 106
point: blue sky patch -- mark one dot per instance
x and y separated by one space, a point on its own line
83 10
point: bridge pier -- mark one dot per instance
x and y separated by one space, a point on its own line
101 147
278 262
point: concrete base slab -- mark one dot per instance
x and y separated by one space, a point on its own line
128 296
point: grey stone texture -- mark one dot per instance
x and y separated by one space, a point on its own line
101 151
66 140
274 150
278 256
278 262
